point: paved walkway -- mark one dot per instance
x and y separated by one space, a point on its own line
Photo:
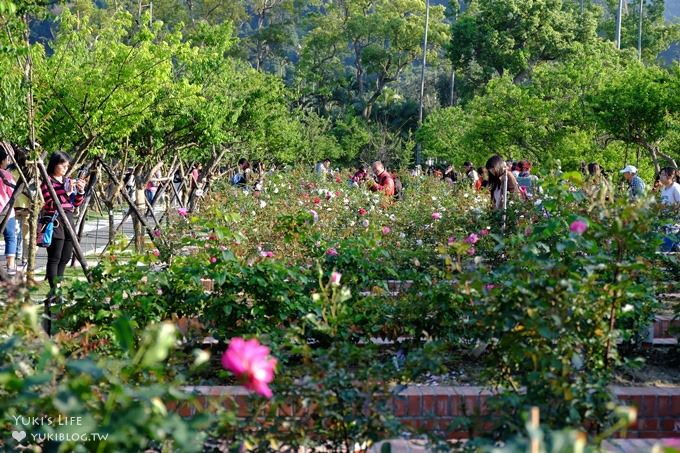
94 239
610 446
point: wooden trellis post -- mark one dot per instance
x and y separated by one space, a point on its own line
132 205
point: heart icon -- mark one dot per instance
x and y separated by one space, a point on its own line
19 435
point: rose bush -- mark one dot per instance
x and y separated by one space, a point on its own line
541 297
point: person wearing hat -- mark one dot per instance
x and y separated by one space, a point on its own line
636 186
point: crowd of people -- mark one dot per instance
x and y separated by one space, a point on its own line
503 179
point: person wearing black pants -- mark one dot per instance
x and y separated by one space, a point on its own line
59 252
70 195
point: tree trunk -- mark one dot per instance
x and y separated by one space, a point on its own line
110 212
28 79
33 214
139 228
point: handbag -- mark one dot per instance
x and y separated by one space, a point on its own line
46 231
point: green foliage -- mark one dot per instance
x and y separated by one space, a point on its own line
82 400
101 81
512 36
657 33
561 301
381 38
638 106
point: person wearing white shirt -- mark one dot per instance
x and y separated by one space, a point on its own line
670 192
670 197
323 168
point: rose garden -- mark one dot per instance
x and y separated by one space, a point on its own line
274 248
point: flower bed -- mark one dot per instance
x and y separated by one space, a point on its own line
554 300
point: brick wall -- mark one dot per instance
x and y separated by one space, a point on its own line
437 408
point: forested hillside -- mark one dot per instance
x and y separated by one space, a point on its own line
294 80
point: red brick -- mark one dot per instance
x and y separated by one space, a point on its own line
649 424
457 435
663 406
486 427
637 402
442 405
429 425
185 410
456 405
471 405
668 435
649 435
443 425
648 408
242 403
399 405
409 422
483 407
675 411
667 424
414 408
285 410
428 405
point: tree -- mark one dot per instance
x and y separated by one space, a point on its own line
513 36
272 32
639 106
657 34
381 38
101 82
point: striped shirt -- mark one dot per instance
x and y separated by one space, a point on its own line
50 206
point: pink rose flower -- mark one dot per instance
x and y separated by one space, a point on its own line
578 227
156 253
213 259
472 239
471 251
436 215
182 211
250 362
386 230
335 278
266 254
331 252
362 211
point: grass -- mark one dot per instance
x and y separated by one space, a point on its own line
42 287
